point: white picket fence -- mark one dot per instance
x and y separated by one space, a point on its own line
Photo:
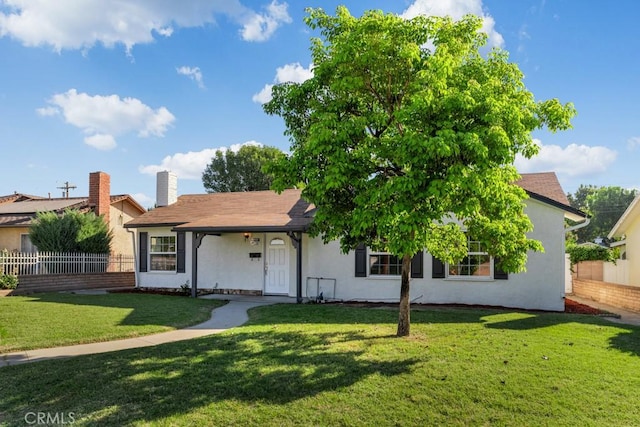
22 263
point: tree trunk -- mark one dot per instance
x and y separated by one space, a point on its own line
404 321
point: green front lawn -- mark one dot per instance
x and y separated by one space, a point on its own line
332 365
56 319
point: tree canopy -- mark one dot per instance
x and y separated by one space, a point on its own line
73 231
405 138
605 205
241 171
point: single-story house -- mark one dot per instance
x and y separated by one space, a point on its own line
627 229
17 212
256 243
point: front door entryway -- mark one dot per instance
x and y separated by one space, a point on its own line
277 266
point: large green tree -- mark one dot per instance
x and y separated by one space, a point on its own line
240 171
405 127
604 205
73 231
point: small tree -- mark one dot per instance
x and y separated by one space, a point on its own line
404 126
73 231
241 171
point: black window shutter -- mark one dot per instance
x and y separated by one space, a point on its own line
497 273
437 268
144 239
180 262
361 261
417 265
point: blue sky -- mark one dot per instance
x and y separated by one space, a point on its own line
131 88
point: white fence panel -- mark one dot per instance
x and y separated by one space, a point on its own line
568 278
616 273
18 263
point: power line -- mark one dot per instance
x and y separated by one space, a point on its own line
67 186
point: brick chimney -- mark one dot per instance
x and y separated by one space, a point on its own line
100 193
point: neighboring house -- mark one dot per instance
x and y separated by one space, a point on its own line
255 243
17 212
627 229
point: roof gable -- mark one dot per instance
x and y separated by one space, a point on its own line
544 184
545 187
18 197
629 215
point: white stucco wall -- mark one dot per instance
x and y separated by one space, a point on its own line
542 287
224 263
163 279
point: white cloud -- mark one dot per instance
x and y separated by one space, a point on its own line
101 141
633 143
456 9
143 199
573 160
102 118
260 27
293 72
193 73
47 111
190 165
263 96
74 24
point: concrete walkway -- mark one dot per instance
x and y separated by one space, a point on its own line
230 315
626 317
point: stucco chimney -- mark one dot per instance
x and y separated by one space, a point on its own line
166 188
100 193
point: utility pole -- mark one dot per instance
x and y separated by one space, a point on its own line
67 186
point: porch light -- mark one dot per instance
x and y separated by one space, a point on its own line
246 236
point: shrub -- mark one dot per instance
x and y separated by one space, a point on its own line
579 253
8 281
74 231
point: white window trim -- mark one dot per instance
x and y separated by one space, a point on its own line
379 276
488 278
150 253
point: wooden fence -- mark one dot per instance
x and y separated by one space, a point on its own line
41 263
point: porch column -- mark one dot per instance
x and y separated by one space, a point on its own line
296 240
196 241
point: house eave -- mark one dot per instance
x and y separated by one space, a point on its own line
154 225
620 226
242 229
570 212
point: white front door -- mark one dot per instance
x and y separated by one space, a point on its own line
277 266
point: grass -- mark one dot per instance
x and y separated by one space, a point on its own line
333 365
56 319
